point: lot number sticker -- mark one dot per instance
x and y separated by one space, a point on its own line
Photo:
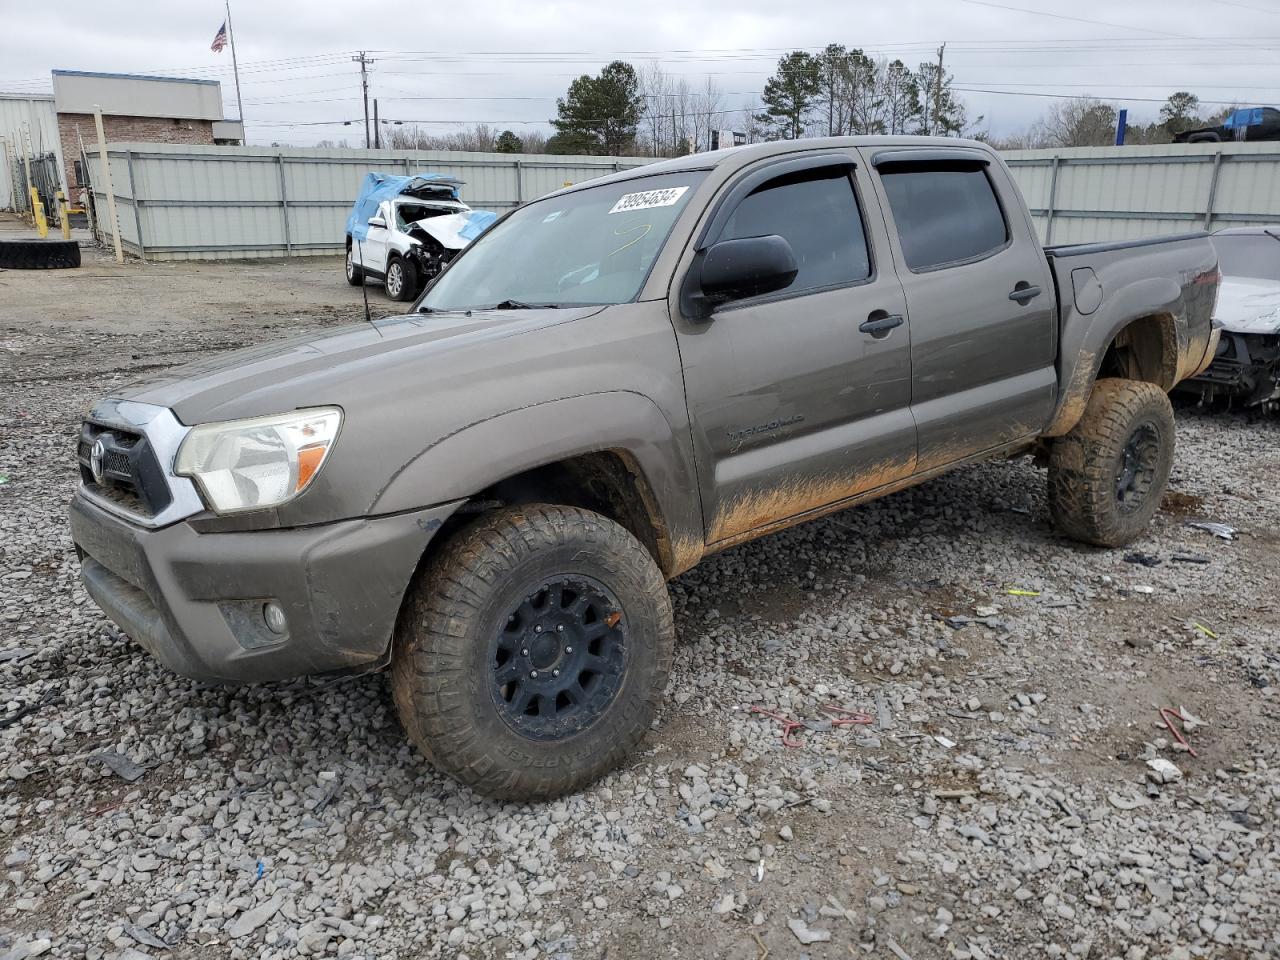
648 199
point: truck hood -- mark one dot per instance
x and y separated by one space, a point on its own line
1248 305
332 367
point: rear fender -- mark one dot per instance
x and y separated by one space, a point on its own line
1085 339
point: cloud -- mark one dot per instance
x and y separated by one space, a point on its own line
296 69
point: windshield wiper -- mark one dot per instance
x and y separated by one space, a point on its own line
521 305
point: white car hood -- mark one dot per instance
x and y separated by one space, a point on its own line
447 228
1247 305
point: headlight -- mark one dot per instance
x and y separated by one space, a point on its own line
263 462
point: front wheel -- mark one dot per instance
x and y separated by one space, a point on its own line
402 280
1107 476
531 654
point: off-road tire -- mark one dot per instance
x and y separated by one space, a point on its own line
408 288
39 254
442 667
1084 464
355 273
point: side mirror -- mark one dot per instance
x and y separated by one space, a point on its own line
377 222
750 267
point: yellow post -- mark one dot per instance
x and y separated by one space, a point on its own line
37 211
64 214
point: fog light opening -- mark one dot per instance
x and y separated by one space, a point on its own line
273 616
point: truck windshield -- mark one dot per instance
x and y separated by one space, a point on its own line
1255 255
592 246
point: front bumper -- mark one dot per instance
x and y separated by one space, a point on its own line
194 600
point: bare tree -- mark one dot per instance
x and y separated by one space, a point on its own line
900 96
675 119
534 142
705 114
1078 123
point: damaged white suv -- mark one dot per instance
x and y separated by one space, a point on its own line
404 230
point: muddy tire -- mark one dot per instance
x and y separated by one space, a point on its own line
402 279
39 254
355 273
532 651
1107 476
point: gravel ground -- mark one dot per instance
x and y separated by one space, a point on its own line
1013 795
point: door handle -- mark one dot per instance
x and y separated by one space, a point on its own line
880 323
1023 293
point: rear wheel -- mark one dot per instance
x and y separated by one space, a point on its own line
1107 476
355 275
402 279
531 655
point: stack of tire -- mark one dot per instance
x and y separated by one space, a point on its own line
39 254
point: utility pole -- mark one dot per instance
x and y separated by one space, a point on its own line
937 92
377 131
365 63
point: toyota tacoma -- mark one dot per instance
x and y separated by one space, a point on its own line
488 493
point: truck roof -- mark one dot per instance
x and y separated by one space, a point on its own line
735 157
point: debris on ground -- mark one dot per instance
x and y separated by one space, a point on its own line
1222 531
1145 559
120 765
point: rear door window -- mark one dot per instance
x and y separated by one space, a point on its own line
816 211
946 214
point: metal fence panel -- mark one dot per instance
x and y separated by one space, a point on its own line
230 202
1086 194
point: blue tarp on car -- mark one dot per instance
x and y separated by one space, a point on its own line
478 221
1248 117
384 186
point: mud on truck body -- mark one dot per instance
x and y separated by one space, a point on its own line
616 380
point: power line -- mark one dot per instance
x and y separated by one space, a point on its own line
1061 16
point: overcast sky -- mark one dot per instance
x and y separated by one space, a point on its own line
504 62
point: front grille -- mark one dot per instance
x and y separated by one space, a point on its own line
130 477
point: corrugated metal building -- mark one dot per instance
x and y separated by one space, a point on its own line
22 114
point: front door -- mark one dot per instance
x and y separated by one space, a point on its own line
379 238
801 398
984 332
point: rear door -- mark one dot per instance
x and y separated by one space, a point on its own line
794 406
979 296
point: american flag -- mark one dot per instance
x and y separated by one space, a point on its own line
219 39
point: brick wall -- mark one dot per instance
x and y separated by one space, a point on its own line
120 129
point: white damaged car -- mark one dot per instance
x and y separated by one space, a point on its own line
404 230
1246 367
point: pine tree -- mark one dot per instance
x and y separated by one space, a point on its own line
599 114
791 95
508 142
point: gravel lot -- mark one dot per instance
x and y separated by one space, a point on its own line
1001 803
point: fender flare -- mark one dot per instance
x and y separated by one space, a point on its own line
480 454
1082 353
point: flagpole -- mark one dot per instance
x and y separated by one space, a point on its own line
231 35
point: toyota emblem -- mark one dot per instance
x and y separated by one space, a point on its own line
96 456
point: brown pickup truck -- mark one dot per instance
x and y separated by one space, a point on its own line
488 493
